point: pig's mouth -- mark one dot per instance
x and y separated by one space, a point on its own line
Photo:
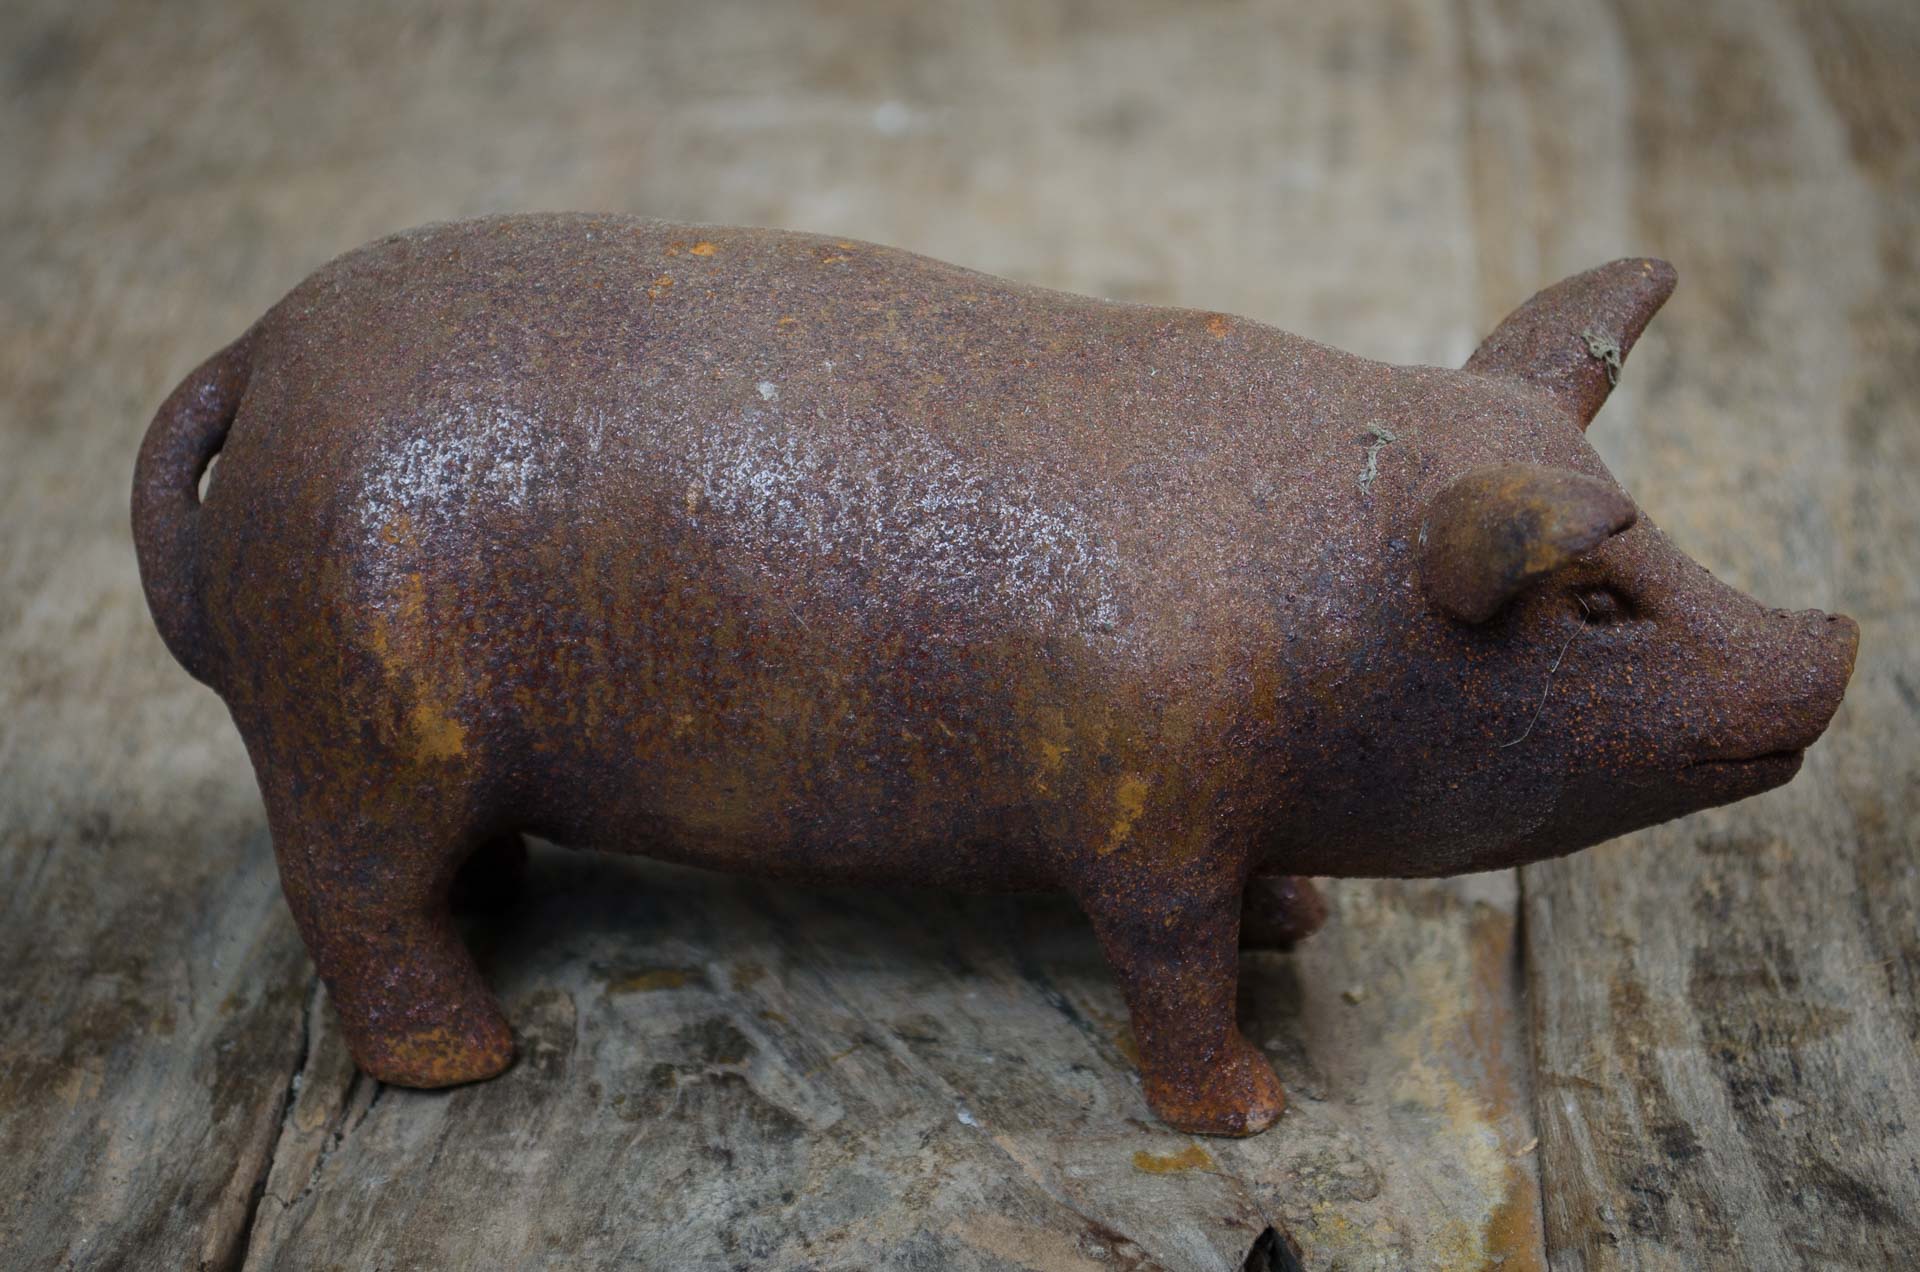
1783 754
1761 769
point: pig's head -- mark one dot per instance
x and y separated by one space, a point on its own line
1562 673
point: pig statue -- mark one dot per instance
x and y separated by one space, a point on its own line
823 561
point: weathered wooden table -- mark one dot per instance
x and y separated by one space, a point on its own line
1692 1048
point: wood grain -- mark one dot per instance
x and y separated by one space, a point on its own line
719 1073
1723 1009
716 1073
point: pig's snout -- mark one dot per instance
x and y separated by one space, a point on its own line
1839 630
1820 663
1796 668
1840 637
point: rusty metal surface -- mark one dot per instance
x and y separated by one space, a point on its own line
818 560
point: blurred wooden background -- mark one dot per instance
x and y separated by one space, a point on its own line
1693 1048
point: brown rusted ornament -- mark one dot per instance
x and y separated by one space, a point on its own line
820 560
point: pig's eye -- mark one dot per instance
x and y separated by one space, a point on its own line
1600 605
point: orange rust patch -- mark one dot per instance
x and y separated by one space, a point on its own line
703 248
653 978
398 531
1192 1157
437 735
1511 1236
660 286
1218 326
439 1056
1512 1231
1129 801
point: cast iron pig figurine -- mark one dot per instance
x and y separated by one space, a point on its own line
820 560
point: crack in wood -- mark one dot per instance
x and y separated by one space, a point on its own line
239 1248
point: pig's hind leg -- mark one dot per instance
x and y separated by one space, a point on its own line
1176 954
368 871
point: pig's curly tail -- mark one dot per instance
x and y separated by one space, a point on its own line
185 435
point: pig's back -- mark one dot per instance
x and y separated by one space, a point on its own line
745 520
815 399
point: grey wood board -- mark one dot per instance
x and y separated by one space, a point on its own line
1722 1012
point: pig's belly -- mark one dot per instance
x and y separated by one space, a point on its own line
754 745
783 815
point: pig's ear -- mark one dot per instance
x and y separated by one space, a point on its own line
1571 338
1490 532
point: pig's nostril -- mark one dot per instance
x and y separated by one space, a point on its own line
1843 635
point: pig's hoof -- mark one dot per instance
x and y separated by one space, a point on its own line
1239 1096
1279 912
438 1055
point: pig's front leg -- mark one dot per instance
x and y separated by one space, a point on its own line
1175 950
1280 911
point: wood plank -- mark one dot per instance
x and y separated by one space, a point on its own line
1724 1009
746 1076
152 984
713 1071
